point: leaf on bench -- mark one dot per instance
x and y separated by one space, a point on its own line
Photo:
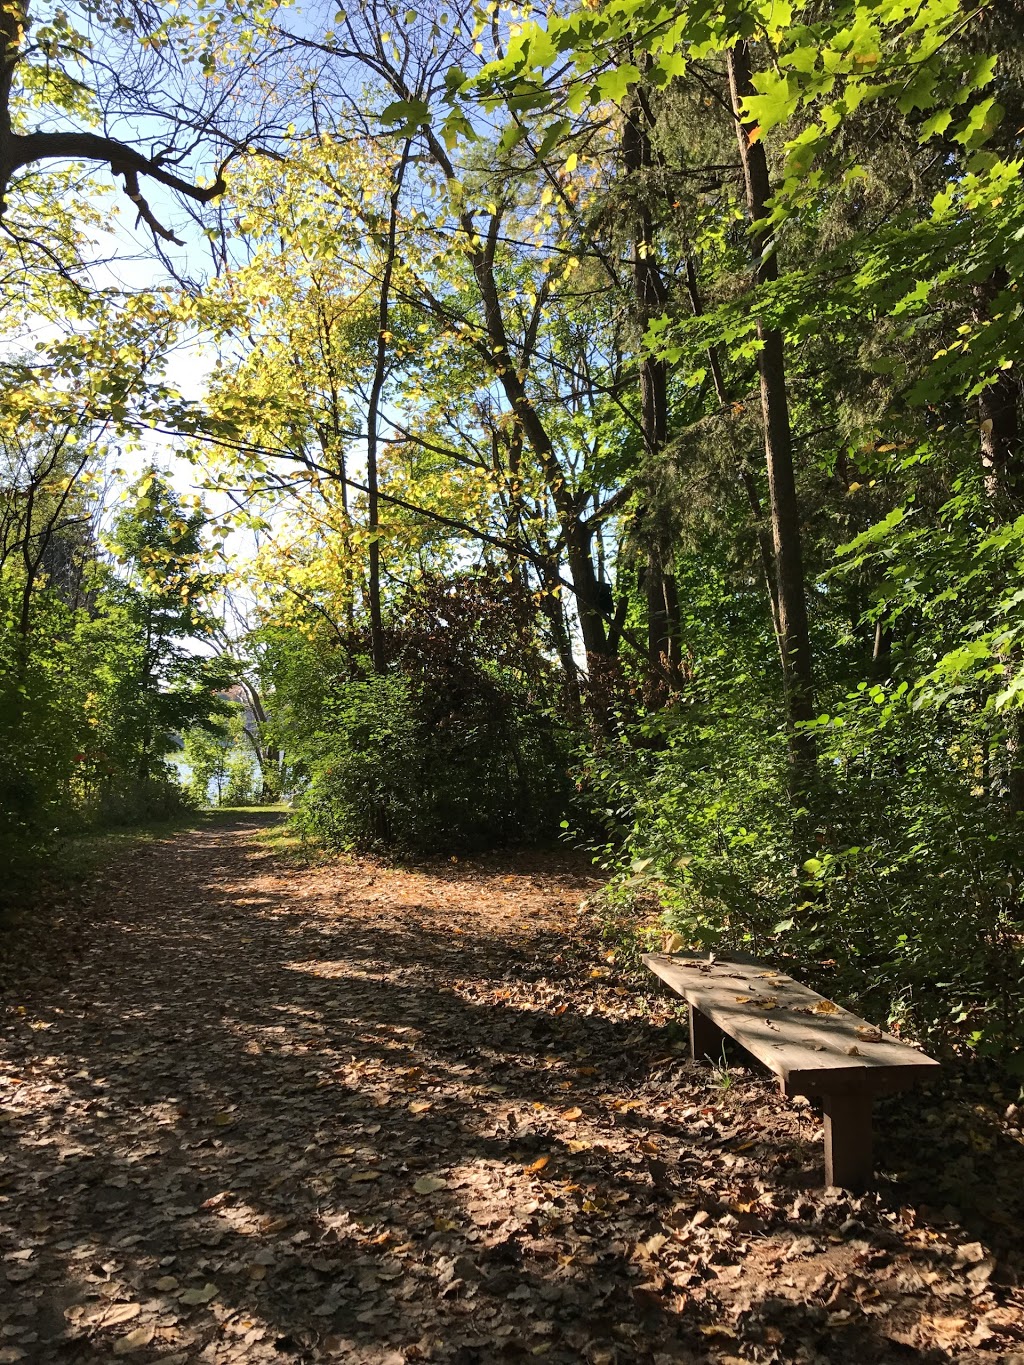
825 1007
869 1033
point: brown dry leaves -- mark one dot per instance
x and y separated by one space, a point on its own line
361 1114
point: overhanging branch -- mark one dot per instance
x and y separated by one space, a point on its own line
26 149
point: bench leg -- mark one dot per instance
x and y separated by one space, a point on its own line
848 1141
706 1038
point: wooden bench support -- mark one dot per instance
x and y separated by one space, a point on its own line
706 1038
813 1046
848 1154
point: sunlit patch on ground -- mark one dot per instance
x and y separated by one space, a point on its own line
347 1113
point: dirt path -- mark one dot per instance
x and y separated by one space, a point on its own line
356 1114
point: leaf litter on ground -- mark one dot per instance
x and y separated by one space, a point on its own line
292 1114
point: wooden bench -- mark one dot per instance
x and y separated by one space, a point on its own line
812 1045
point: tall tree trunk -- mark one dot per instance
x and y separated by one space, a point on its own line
373 415
1002 461
650 296
761 528
794 636
999 422
553 609
498 356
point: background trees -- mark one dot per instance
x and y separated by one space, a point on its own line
632 397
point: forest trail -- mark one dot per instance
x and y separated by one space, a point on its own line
364 1114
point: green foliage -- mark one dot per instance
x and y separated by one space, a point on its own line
455 749
95 679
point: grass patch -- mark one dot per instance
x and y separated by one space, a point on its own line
291 846
80 856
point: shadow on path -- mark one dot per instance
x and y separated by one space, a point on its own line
368 1114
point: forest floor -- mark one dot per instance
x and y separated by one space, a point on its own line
263 1111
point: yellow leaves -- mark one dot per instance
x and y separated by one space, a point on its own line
537 1165
673 943
825 1007
363 1177
869 1034
571 1115
420 1106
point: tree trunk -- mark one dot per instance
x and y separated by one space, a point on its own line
372 418
794 636
650 297
761 529
1003 470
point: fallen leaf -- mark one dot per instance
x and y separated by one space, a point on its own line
204 1295
430 1184
134 1341
571 1115
869 1033
420 1106
358 1177
539 1164
825 1007
121 1312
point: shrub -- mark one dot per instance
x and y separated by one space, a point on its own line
454 748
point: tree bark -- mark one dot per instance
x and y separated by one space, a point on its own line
1003 472
377 651
794 634
650 297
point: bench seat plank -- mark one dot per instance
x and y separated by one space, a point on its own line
774 1018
